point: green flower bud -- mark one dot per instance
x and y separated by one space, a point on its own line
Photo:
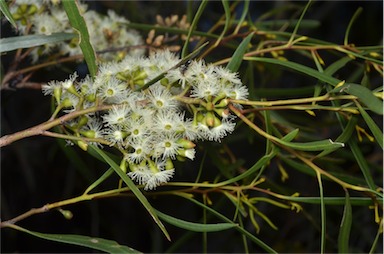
185 143
83 145
66 103
164 81
209 119
66 213
83 120
169 164
88 134
123 165
57 91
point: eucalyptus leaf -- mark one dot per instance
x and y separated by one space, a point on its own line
28 41
5 10
364 95
195 227
78 23
133 188
81 240
237 58
345 227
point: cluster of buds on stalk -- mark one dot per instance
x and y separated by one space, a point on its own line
151 125
108 33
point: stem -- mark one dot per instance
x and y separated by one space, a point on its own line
325 97
293 152
41 128
49 207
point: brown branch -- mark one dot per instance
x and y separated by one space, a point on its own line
41 128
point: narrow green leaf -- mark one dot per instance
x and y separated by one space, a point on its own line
377 133
243 15
334 67
28 41
196 18
237 57
5 10
354 17
195 227
251 236
313 146
290 136
362 162
298 67
260 163
299 22
322 213
133 188
80 240
344 136
345 227
101 179
78 23
227 12
364 95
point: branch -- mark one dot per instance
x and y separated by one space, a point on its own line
41 128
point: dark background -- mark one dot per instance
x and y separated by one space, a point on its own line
37 170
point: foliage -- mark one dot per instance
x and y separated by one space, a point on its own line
298 170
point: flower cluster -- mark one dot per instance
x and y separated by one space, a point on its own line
152 126
106 32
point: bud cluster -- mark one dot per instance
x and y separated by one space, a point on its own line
106 32
151 126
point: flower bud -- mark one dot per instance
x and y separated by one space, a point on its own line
169 164
88 134
66 103
123 165
209 119
66 213
187 153
83 145
185 143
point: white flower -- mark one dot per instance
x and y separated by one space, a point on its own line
218 132
141 175
161 98
140 150
166 146
115 134
118 115
49 88
237 92
159 178
113 91
226 77
137 128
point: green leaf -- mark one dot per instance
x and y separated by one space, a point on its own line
78 23
80 240
334 67
196 18
28 41
237 57
195 227
251 236
133 188
312 146
298 67
344 136
362 162
377 133
5 10
364 95
345 227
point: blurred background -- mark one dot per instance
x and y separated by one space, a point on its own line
40 170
